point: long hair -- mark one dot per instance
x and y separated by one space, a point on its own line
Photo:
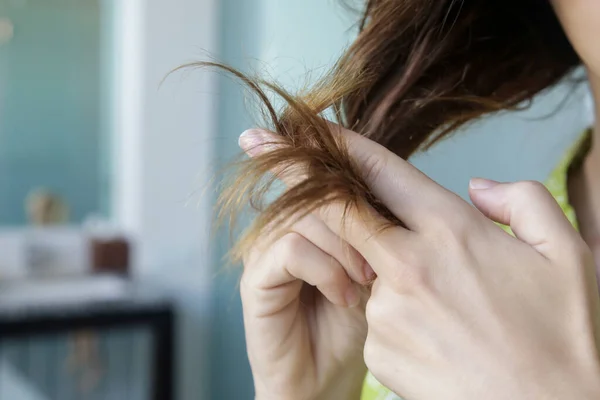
417 71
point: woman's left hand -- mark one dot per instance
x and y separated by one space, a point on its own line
463 310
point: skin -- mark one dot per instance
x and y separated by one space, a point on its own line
305 332
581 21
505 317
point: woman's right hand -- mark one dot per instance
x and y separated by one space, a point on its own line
304 314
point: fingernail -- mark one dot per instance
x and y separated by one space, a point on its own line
482 184
368 271
251 140
352 296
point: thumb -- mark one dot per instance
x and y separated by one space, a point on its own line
529 209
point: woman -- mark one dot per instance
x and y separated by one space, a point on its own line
458 308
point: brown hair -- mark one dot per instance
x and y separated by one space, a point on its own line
418 70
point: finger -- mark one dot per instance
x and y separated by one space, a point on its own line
258 141
315 230
295 258
371 235
255 142
362 230
408 193
529 209
318 233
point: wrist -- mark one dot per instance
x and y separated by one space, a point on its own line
348 392
342 395
347 386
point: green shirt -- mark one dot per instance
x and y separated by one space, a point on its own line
557 185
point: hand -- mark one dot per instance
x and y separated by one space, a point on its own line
304 313
462 310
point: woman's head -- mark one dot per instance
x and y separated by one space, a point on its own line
418 70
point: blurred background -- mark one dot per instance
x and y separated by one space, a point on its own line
111 282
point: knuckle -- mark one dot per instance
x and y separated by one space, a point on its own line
439 228
259 263
411 278
459 236
326 211
448 223
373 166
251 279
331 211
250 256
369 354
530 189
580 252
411 271
290 246
374 313
455 232
408 258
251 285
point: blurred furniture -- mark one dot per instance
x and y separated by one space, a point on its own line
33 309
110 255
